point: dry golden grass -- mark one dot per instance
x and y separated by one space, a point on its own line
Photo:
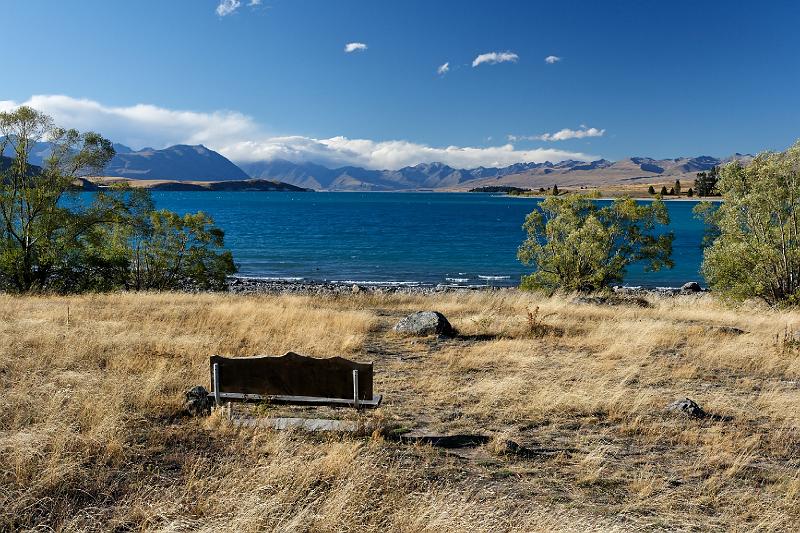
92 435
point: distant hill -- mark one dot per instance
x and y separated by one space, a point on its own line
179 162
602 173
249 185
422 176
6 162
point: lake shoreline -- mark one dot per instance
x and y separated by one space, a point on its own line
258 285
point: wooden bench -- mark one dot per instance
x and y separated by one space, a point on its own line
293 379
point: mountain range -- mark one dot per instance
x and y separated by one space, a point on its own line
179 162
198 163
438 176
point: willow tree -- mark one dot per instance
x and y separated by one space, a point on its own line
754 251
577 244
54 239
40 231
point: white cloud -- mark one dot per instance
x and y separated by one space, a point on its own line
254 3
561 135
143 125
240 138
443 69
341 151
495 57
552 59
226 7
354 47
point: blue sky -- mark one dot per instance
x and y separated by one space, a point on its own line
659 79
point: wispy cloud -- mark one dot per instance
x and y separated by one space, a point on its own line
354 47
240 138
443 69
226 7
495 57
561 135
552 59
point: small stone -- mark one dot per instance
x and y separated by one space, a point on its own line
686 407
425 323
725 330
355 289
198 402
590 300
509 447
611 300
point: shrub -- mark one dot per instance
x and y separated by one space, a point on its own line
178 250
754 245
575 244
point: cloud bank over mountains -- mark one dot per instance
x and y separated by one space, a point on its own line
242 139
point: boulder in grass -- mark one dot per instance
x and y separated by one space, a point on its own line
425 323
198 402
687 407
691 287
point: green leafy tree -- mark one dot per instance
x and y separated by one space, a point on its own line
690 192
555 190
677 187
575 244
754 235
651 190
705 183
54 239
672 191
40 231
664 191
175 251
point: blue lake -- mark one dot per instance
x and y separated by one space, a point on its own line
457 238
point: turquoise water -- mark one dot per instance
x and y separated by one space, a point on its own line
458 238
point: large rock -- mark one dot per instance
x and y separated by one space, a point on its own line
198 402
690 287
425 323
686 407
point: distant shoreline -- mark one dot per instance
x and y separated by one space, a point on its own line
645 198
249 185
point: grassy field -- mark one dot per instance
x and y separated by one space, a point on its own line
93 437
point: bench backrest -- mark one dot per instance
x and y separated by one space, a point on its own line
292 375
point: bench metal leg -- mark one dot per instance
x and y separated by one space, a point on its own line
355 389
217 397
